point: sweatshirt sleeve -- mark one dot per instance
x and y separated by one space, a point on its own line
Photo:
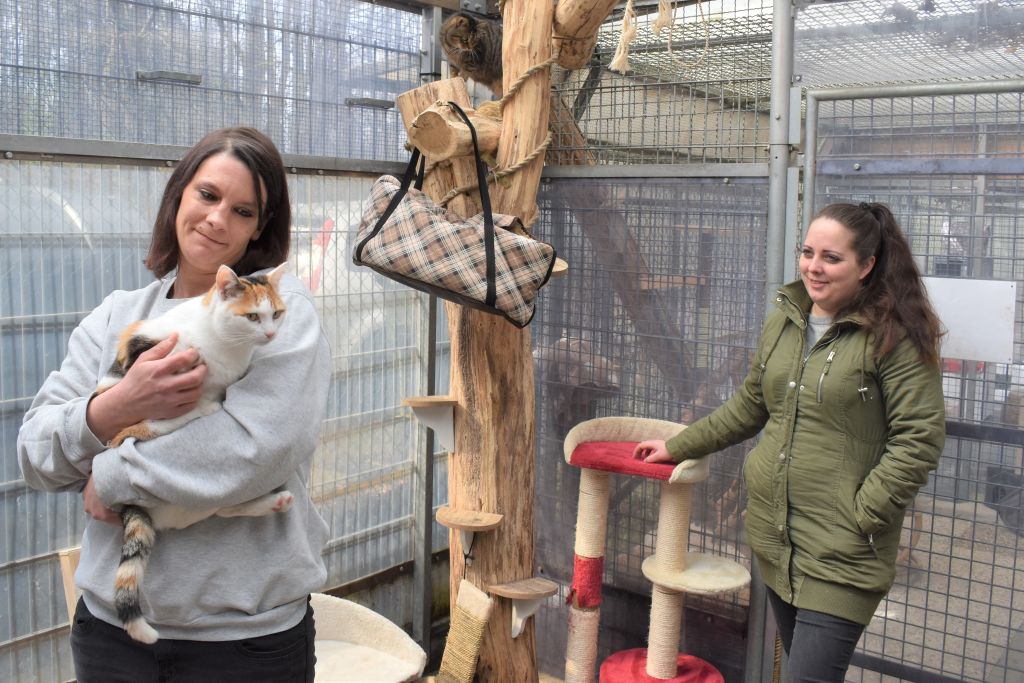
55 445
739 418
268 427
916 416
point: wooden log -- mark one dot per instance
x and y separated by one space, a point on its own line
461 171
440 133
575 31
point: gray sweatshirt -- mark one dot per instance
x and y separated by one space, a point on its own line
222 578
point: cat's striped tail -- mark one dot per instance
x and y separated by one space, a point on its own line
135 549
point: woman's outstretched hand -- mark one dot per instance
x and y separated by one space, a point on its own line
159 385
652 450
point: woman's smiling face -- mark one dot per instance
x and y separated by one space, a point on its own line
829 267
217 217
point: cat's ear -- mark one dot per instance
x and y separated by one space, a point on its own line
228 283
275 275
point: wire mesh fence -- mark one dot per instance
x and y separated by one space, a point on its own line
317 76
657 320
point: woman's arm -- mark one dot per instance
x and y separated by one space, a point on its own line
55 444
67 425
268 427
915 412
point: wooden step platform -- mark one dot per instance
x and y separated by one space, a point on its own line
468 520
526 595
467 523
437 413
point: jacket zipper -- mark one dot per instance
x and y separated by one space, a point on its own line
824 371
871 542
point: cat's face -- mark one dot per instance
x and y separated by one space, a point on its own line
247 310
458 31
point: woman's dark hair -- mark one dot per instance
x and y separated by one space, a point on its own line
260 156
892 297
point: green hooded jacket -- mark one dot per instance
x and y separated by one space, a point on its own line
847 443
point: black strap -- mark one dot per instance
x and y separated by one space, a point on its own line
485 204
411 173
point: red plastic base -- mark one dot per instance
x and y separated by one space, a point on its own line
629 666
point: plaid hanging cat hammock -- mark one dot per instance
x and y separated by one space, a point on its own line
405 236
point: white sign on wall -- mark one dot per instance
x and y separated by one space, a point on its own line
978 316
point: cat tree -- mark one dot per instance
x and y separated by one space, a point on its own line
491 401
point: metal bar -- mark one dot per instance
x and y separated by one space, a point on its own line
778 147
919 89
810 157
659 171
61 149
37 635
919 166
783 25
990 433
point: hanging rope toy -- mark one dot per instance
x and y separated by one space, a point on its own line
620 62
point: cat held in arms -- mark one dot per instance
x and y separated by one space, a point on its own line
225 326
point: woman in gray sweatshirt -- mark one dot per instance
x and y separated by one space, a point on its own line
229 596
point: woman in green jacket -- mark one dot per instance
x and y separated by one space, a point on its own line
847 389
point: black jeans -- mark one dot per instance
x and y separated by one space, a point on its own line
106 654
819 645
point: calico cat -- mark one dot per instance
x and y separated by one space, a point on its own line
473 46
225 326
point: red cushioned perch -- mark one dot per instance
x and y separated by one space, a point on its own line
630 666
617 456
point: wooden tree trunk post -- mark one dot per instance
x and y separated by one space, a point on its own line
491 468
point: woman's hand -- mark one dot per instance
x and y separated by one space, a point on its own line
95 508
652 450
158 386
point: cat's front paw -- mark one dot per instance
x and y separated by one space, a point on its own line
283 501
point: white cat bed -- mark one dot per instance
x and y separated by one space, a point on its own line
356 645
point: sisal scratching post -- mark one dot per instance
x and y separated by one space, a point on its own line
585 592
670 548
620 62
465 635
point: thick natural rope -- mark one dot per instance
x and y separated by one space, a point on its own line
592 515
663 633
667 604
666 17
518 83
673 526
707 41
581 648
620 61
495 176
465 635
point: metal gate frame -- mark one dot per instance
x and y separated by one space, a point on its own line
954 428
